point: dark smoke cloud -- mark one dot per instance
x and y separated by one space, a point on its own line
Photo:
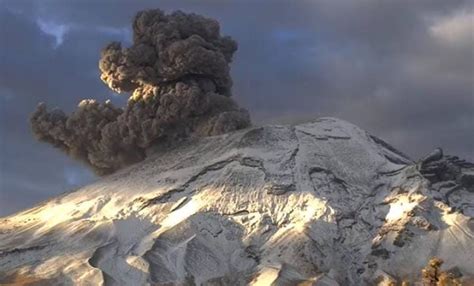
177 72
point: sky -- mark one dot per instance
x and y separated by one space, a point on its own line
402 70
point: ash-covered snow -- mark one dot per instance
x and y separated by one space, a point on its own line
321 202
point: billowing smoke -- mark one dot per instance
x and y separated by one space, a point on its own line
177 72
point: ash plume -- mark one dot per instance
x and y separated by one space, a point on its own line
177 75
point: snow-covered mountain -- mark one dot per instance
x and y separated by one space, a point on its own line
322 203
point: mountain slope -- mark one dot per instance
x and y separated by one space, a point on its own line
321 202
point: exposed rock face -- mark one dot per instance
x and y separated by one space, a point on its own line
451 178
323 203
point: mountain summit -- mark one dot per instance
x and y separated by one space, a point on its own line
319 203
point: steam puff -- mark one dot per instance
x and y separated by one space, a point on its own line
178 72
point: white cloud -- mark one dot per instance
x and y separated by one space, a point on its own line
458 28
56 30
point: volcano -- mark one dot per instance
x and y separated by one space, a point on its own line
318 203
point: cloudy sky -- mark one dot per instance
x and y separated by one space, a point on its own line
403 70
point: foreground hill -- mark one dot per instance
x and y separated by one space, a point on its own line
323 203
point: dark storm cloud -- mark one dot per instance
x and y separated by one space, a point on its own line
403 79
403 70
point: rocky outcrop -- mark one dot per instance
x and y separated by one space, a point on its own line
321 203
451 179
